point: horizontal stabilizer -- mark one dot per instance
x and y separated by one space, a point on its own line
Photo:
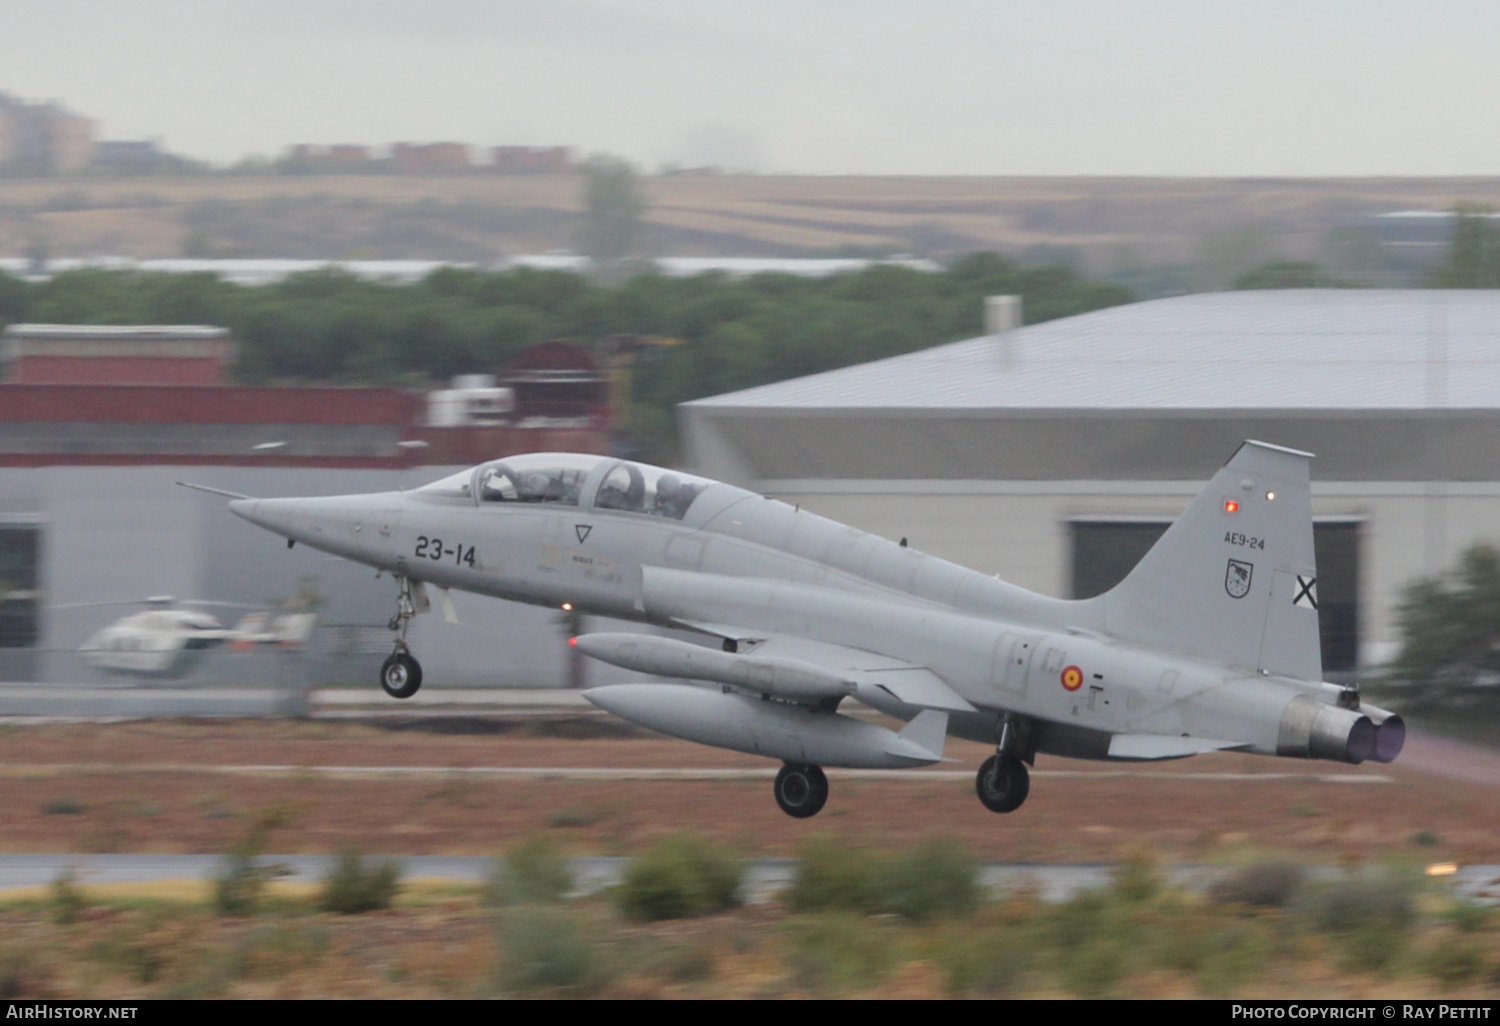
1165 746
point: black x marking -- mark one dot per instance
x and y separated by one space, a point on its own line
1305 587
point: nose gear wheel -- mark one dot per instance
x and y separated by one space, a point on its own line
401 674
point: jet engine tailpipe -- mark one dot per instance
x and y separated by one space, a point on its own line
1311 729
779 730
1390 733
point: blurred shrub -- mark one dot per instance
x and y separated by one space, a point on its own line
833 876
934 879
1135 877
985 962
242 878
239 883
1370 914
1096 967
1456 958
63 807
1080 920
277 949
140 945
836 952
1361 902
1229 955
679 877
66 899
355 886
544 949
22 975
688 960
1261 885
533 871
1469 917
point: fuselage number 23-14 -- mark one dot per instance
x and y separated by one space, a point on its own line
432 548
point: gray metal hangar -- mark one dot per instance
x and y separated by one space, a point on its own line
1054 454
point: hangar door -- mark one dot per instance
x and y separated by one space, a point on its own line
1105 550
20 599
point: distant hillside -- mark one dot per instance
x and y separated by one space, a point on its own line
1105 224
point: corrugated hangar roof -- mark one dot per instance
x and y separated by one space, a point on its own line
1372 349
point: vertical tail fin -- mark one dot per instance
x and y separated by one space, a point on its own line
1234 579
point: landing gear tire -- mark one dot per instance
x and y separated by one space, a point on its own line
401 675
1002 784
801 790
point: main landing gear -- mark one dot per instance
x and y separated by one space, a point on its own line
801 789
1002 781
400 674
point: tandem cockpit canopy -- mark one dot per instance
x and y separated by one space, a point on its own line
640 488
567 479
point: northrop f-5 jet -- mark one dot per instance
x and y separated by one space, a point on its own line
1210 643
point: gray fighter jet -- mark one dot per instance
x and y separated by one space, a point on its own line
1211 642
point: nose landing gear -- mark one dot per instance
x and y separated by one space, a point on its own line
401 674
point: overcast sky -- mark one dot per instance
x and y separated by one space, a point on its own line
1156 87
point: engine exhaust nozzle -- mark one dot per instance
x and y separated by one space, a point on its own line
1311 729
1390 734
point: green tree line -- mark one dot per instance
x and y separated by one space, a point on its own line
330 327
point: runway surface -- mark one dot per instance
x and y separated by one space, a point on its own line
21 770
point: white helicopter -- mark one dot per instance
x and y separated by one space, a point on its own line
168 641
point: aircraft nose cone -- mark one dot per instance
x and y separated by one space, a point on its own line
277 515
244 508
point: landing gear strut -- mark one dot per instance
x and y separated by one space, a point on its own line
801 790
400 674
1003 782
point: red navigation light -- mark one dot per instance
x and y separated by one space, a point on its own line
1230 506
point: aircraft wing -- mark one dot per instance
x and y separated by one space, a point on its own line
903 681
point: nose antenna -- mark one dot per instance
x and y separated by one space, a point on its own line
214 491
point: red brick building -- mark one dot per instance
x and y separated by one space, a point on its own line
88 354
102 395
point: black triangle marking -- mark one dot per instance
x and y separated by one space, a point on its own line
582 530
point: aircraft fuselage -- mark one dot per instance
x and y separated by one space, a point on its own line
743 568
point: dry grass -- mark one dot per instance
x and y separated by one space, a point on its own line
1129 941
171 786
